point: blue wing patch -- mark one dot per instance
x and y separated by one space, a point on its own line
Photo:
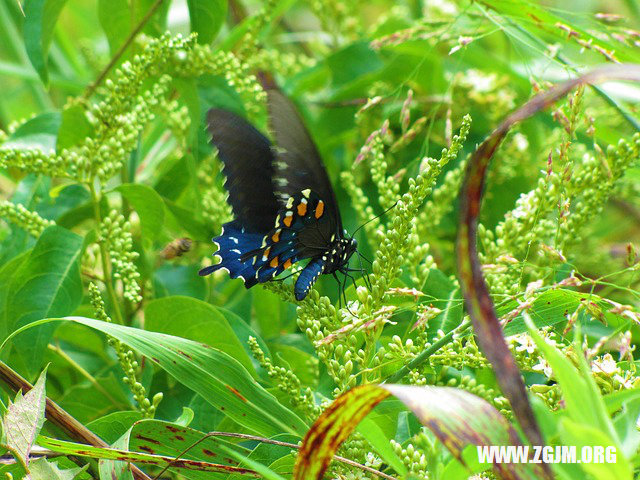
308 277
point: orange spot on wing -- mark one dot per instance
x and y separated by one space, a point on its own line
287 264
302 209
287 220
274 262
267 251
319 209
276 237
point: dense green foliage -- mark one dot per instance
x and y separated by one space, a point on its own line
105 170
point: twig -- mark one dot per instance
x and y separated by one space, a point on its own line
134 33
245 436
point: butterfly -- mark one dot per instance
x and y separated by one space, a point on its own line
284 207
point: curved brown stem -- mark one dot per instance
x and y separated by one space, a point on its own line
474 288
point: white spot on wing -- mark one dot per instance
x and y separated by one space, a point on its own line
235 250
234 240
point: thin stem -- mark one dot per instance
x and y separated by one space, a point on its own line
424 356
244 436
116 57
104 257
85 374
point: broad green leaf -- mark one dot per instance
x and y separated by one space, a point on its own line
444 294
40 20
552 307
147 204
114 425
582 435
74 127
184 280
124 455
39 132
43 469
196 320
47 284
584 404
352 62
456 417
207 16
186 218
115 19
219 378
23 420
380 443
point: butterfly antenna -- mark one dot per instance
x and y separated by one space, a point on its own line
372 219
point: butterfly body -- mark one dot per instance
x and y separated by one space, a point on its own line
284 207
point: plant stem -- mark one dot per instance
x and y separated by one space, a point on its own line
424 356
134 33
104 257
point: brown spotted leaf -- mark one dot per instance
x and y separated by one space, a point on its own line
217 377
23 421
161 461
456 417
476 294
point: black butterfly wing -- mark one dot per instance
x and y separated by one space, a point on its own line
298 165
248 165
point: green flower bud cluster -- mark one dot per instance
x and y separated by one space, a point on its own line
23 218
442 200
414 458
549 394
339 17
360 204
215 208
594 184
176 117
118 119
35 161
287 382
118 136
115 234
393 246
287 64
127 360
465 382
203 60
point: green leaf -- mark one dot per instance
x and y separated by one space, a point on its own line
198 230
219 378
23 421
108 469
115 19
352 62
74 127
40 20
43 469
113 426
207 16
552 307
581 435
179 280
40 132
584 404
47 284
196 320
148 205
